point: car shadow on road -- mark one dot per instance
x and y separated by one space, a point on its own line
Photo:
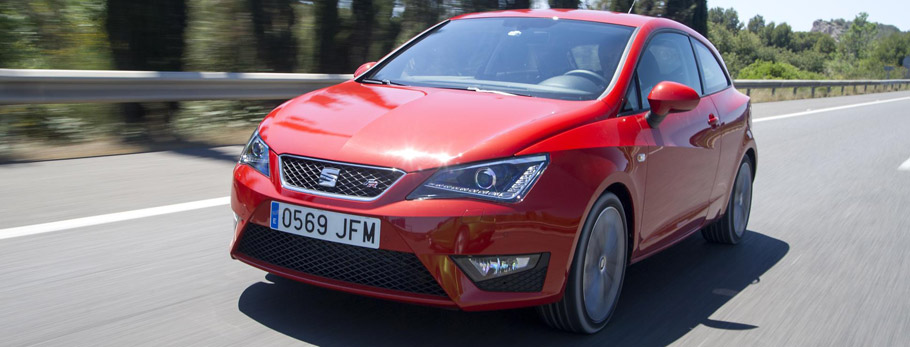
663 298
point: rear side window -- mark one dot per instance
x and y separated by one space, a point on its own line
668 57
712 72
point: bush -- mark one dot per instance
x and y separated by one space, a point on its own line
776 71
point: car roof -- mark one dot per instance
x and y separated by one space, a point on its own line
632 20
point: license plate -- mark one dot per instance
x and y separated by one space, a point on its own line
324 225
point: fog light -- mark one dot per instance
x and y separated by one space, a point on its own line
480 268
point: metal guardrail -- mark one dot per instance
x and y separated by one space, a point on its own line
93 86
88 86
748 85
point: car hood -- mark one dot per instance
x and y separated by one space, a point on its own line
413 128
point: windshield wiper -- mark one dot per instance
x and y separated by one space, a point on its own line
493 91
384 82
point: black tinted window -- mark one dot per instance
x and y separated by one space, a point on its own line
668 57
632 96
712 72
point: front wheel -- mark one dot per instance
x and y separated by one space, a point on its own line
731 226
597 272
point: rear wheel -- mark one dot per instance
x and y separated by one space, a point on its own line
597 272
731 226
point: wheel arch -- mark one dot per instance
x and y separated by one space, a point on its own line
625 197
753 160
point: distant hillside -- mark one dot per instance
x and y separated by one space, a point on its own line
836 27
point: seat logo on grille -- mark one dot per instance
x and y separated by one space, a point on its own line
371 183
328 177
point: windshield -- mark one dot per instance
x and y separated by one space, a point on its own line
542 57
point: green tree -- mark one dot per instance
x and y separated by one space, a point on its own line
12 25
386 32
364 15
570 4
756 24
766 33
699 20
654 8
219 37
616 5
728 18
780 35
326 27
573 4
517 4
892 49
419 15
273 24
491 5
856 41
825 44
146 36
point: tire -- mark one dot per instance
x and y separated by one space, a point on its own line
591 296
730 228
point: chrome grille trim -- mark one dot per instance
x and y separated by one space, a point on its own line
290 186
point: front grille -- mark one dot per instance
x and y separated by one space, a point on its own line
371 267
353 181
526 281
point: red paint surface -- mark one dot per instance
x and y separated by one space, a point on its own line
683 184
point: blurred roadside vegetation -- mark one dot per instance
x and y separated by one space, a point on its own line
760 50
329 36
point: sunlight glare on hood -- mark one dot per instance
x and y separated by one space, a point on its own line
410 154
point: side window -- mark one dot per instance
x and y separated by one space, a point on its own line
712 72
668 57
632 102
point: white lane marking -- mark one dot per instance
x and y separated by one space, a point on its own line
808 112
110 218
905 166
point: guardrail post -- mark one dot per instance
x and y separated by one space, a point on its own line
748 91
794 90
865 88
842 89
813 92
772 91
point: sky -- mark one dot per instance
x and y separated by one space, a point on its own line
800 14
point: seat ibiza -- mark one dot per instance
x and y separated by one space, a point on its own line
501 160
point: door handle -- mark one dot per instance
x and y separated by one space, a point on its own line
713 121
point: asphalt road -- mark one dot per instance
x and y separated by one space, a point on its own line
825 261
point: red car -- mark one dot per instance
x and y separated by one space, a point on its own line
501 160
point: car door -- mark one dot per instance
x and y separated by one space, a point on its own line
732 112
683 163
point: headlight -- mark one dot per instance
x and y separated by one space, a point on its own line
505 180
256 154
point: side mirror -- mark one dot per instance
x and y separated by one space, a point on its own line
670 97
363 68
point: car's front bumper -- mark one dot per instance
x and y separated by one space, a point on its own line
429 231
